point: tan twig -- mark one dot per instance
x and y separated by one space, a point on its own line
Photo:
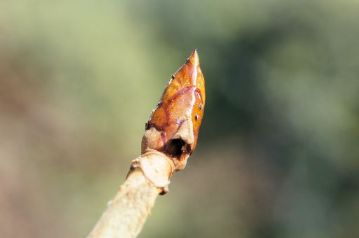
128 211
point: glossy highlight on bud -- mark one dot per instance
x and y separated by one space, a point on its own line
180 108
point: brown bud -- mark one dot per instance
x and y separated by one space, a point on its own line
174 124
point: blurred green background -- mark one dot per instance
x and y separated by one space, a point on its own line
278 152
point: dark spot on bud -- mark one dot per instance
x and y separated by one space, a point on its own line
177 147
196 117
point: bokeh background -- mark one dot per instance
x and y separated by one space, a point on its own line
279 146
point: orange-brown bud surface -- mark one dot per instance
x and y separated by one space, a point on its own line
174 124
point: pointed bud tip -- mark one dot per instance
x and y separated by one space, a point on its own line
193 58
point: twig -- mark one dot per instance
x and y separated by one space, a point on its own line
128 211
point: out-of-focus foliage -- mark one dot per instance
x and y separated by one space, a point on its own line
279 147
